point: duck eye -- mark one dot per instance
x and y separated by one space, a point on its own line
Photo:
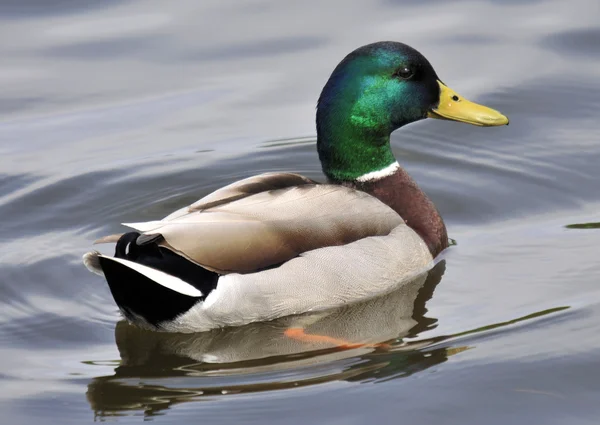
404 72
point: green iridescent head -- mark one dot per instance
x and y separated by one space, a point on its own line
375 90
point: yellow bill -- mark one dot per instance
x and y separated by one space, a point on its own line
457 108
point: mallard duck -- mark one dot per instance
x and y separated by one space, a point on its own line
280 244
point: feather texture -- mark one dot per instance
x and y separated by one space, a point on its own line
316 280
243 188
235 233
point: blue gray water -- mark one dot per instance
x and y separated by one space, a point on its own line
124 110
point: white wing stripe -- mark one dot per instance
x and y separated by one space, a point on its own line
162 278
145 226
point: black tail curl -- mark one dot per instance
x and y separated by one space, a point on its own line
138 296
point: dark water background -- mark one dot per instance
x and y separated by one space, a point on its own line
124 110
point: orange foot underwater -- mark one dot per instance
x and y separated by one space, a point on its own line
299 335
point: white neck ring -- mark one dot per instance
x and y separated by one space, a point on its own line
379 174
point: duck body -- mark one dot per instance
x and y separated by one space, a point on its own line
265 255
280 244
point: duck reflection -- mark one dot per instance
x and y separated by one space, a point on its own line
252 358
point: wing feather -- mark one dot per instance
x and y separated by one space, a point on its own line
244 188
272 227
269 219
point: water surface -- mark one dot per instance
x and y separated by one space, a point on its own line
128 110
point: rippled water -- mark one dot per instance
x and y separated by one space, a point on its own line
125 110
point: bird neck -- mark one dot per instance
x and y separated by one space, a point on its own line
353 128
346 155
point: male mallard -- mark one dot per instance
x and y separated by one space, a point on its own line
279 244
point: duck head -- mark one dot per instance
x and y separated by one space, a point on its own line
375 90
